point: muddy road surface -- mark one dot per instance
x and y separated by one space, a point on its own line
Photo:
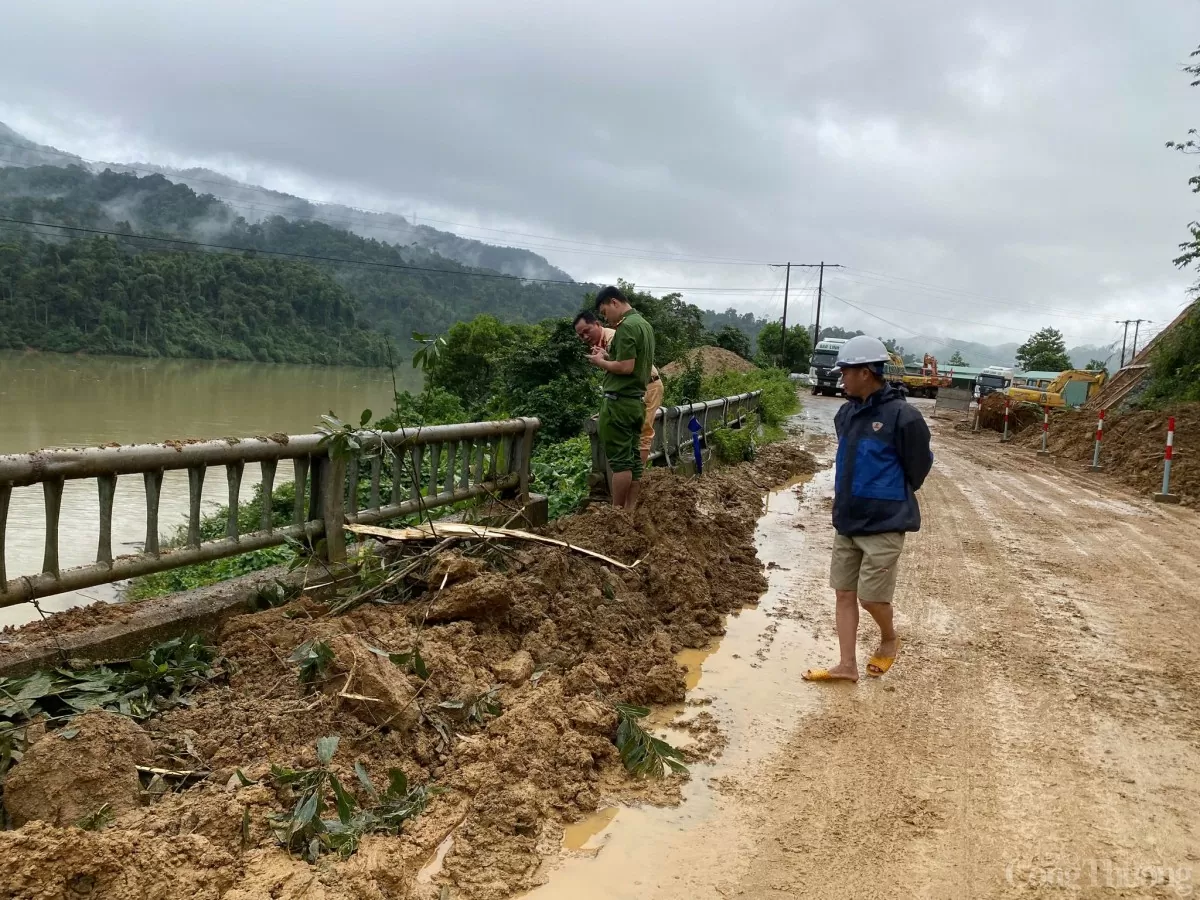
1038 736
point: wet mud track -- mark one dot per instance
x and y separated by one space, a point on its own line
1039 735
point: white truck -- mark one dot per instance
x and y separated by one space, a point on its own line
992 379
825 381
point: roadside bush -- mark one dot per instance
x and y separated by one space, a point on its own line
212 527
731 445
560 471
688 386
779 398
433 406
1175 366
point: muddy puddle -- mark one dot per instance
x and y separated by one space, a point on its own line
749 681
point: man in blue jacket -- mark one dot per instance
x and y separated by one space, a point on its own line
883 457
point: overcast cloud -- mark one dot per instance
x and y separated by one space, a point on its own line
1012 152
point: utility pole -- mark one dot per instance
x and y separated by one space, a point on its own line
787 280
820 287
1135 323
820 290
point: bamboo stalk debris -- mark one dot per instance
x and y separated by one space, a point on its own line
480 532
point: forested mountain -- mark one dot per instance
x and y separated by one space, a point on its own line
254 204
395 289
96 296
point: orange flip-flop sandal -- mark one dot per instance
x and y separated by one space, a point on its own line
880 664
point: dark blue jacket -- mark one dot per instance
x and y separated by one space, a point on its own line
883 457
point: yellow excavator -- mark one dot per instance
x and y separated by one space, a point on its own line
925 384
1073 387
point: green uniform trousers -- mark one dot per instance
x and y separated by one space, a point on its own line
620 430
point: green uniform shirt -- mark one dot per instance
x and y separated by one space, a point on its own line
634 340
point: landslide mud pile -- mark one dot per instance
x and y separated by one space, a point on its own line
713 361
1020 415
1132 449
524 650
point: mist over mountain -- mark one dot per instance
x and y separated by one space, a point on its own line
208 206
299 290
255 204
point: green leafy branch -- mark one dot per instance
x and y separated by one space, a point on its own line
137 688
306 832
314 658
642 753
432 347
478 710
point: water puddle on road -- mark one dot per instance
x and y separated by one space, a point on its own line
693 661
750 682
584 834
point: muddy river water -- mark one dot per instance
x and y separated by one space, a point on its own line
52 400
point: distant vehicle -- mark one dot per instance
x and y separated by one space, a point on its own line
992 379
922 381
803 377
1073 387
1037 381
824 357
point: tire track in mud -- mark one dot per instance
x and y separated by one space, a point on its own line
1102 698
1037 728
1031 729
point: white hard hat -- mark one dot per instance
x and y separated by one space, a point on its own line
863 350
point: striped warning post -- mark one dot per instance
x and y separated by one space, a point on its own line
1045 431
1096 467
1166 496
1007 403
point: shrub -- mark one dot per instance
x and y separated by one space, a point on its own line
732 445
560 471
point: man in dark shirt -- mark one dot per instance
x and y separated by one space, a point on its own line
883 457
626 364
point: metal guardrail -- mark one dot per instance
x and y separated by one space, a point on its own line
672 439
464 462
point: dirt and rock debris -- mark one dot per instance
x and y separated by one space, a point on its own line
552 639
1020 415
1132 448
713 361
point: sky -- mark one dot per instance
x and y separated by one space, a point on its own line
980 170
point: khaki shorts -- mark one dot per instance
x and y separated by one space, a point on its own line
867 564
654 395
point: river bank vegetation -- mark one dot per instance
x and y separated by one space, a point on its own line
487 369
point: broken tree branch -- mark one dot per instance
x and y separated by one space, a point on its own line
481 532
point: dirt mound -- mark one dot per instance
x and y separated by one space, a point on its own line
713 361
370 686
1020 415
74 619
510 711
72 773
1132 449
43 861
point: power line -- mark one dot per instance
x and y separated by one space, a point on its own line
786 281
1044 310
935 316
1125 336
643 254
927 337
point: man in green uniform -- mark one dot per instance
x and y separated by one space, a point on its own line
626 364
